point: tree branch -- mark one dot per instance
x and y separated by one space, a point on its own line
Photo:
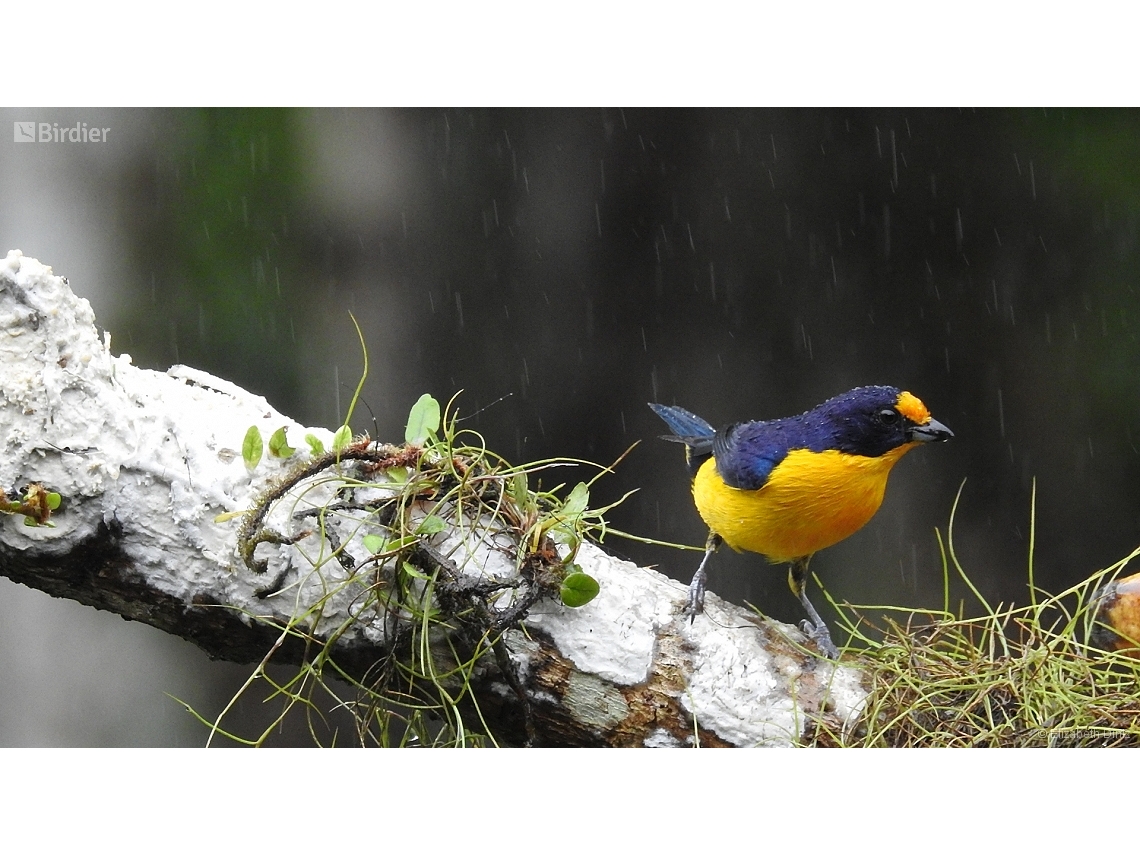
147 462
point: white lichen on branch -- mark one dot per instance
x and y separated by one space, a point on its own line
153 460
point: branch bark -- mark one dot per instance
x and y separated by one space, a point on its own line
147 461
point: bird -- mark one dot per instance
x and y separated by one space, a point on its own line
787 488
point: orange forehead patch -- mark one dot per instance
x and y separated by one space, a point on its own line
912 408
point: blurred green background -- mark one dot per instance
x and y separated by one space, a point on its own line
744 264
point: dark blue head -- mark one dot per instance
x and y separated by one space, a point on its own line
870 421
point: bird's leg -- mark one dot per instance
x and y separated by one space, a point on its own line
696 603
815 629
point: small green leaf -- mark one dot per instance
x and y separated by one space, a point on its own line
376 544
576 502
252 447
565 535
414 573
342 437
279 445
53 500
563 518
423 420
517 490
578 588
397 474
430 525
315 445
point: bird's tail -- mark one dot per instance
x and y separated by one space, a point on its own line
690 429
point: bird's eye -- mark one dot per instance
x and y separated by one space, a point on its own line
889 416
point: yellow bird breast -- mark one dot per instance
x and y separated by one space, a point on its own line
811 500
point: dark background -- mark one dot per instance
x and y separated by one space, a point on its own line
744 264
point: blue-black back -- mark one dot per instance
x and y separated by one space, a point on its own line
747 452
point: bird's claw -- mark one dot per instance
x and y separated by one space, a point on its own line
822 638
696 601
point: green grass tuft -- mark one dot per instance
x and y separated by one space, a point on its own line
1011 677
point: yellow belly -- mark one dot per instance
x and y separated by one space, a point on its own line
811 501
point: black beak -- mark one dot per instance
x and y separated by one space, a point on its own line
932 431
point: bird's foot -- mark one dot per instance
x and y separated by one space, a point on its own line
820 634
696 601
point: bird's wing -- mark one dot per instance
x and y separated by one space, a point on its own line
747 453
